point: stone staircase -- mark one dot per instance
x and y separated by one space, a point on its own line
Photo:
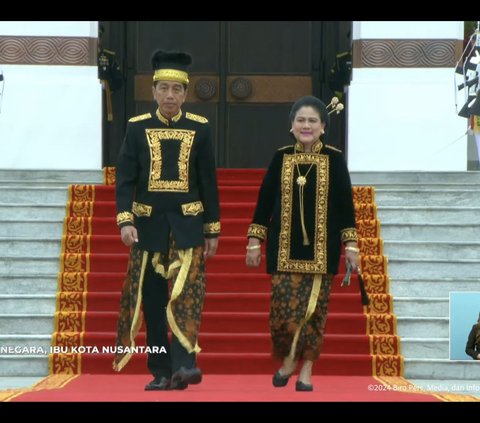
32 209
430 226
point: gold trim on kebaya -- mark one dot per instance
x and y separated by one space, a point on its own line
349 234
257 231
319 262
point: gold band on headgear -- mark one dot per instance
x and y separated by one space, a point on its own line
171 75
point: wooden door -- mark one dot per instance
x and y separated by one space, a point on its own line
244 78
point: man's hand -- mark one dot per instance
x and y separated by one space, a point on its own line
129 235
211 245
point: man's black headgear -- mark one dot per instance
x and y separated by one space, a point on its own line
171 66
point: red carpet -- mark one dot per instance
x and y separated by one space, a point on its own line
219 388
235 332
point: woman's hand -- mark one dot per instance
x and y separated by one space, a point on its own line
254 252
351 256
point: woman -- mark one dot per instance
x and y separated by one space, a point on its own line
305 206
473 343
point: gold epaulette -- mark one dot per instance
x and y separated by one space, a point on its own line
331 147
196 118
285 147
140 117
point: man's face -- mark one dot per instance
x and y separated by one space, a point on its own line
169 96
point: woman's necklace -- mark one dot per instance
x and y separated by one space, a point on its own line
301 182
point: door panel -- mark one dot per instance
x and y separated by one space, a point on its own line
255 132
269 47
200 39
244 77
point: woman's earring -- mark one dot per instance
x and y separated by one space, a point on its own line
291 130
322 131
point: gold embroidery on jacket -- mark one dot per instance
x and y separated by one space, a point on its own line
155 138
140 117
211 228
319 262
124 217
164 120
140 209
257 231
349 234
192 209
196 118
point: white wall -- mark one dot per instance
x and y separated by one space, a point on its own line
51 118
402 119
49 28
407 30
50 115
405 119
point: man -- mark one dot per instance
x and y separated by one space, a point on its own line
168 212
473 343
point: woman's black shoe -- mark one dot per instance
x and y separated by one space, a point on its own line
304 387
280 381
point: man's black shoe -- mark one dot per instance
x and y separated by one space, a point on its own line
185 376
158 384
179 386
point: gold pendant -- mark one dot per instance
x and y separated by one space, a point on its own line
301 180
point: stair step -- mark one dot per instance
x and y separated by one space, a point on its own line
238 363
24 365
35 341
429 269
32 212
30 176
421 307
414 177
33 195
425 347
431 287
29 265
430 232
441 250
41 303
26 324
24 284
418 327
31 229
427 197
234 322
30 247
434 368
415 215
